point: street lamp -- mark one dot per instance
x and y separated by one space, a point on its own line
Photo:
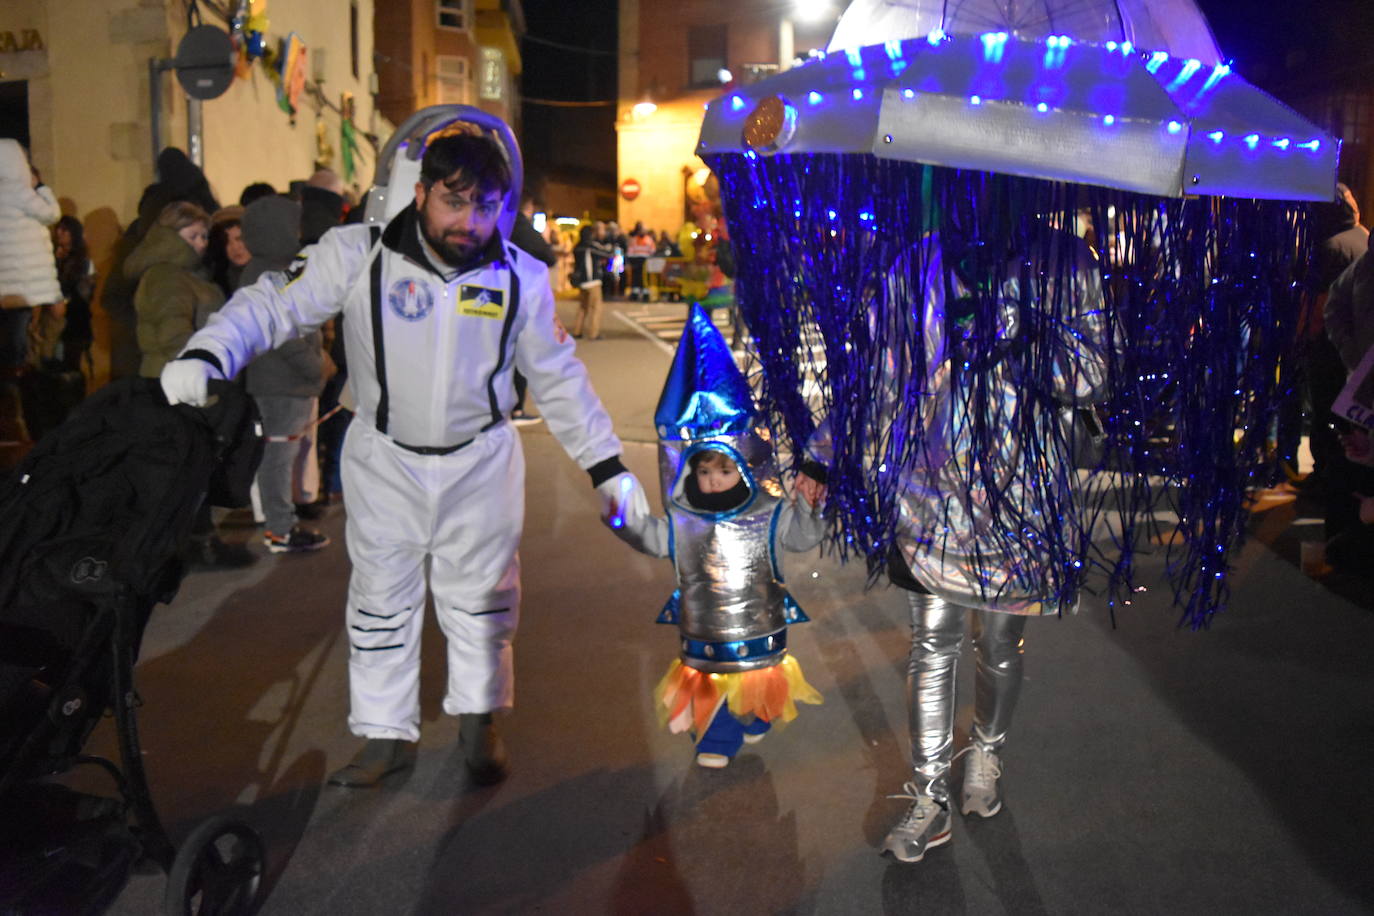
810 10
806 11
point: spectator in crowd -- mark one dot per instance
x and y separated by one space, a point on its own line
184 180
28 274
1343 240
322 205
588 275
1349 316
286 383
178 180
174 297
226 256
667 248
528 239
255 191
613 279
638 250
76 275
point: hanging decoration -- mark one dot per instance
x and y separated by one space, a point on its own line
248 28
348 143
290 66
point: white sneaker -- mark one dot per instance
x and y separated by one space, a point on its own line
982 769
713 761
924 826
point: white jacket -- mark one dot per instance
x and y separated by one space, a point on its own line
27 267
448 346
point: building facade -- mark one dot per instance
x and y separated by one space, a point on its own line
78 88
436 52
676 57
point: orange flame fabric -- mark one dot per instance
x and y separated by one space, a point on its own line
687 699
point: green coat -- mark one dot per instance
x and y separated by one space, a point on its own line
174 297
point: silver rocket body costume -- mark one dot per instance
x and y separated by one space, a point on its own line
731 606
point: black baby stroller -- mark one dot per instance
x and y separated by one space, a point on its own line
91 529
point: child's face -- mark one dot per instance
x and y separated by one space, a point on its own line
717 477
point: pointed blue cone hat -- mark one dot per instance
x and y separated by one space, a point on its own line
705 394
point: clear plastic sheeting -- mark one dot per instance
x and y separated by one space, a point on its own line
1175 26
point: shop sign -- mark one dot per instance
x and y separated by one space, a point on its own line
629 189
24 40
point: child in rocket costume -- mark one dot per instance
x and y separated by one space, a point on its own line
734 677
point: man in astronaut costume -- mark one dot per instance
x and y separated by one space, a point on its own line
956 555
440 311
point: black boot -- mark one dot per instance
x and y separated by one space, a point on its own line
483 750
378 758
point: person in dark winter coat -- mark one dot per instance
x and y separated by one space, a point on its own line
1344 240
76 276
178 180
285 382
175 295
184 180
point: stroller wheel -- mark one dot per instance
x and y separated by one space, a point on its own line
218 870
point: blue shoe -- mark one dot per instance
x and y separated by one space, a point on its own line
754 731
722 740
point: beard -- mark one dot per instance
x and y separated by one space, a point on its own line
456 246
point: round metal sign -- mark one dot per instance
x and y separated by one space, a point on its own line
629 189
205 62
770 125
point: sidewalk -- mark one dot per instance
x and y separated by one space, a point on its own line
1150 770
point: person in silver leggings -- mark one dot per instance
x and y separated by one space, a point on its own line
937 638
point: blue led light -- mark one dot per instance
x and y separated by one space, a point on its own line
1312 145
1111 46
936 36
813 97
1251 140
975 100
831 213
1156 61
736 102
858 94
1042 108
894 49
1217 136
1282 143
1185 74
908 93
1175 127
994 46
1218 73
1109 120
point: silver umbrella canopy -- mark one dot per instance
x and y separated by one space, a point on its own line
1175 26
1098 110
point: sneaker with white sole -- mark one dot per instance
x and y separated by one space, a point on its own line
297 540
924 826
982 769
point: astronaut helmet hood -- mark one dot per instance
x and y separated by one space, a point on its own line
707 405
398 165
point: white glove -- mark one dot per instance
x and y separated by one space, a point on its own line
185 381
625 510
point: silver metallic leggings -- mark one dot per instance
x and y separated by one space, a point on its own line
937 635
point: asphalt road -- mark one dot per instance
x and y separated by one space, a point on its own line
1150 769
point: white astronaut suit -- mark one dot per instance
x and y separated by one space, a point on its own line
431 466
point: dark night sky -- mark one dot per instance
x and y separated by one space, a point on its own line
1287 48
